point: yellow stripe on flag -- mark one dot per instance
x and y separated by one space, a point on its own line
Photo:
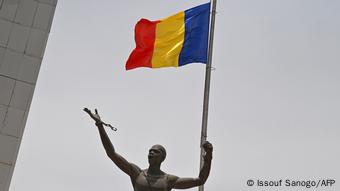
169 41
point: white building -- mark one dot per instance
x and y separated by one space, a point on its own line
24 30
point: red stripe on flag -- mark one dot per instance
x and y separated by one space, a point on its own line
145 34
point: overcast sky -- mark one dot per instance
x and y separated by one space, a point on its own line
274 104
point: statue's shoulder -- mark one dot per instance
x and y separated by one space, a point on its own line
171 178
135 168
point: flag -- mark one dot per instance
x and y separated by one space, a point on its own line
172 42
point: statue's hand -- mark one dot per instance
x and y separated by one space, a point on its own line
208 148
95 116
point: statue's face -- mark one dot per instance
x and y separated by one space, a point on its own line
155 155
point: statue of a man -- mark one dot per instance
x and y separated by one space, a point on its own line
152 178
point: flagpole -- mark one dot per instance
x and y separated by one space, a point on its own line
207 85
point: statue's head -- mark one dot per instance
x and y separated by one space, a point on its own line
157 154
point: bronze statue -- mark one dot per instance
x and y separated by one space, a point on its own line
152 178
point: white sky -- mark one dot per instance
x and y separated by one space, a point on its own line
274 107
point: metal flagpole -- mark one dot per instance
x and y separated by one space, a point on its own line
207 85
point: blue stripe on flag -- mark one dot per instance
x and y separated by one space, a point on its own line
195 46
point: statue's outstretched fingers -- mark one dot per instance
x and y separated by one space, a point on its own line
86 110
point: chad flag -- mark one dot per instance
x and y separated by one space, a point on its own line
171 42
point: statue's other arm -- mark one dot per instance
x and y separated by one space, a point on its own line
184 183
121 162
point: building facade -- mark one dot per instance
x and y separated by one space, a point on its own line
24 30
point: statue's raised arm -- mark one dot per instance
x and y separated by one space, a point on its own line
183 183
129 168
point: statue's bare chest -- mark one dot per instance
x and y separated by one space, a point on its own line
157 183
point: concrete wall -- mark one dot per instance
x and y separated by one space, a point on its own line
24 29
